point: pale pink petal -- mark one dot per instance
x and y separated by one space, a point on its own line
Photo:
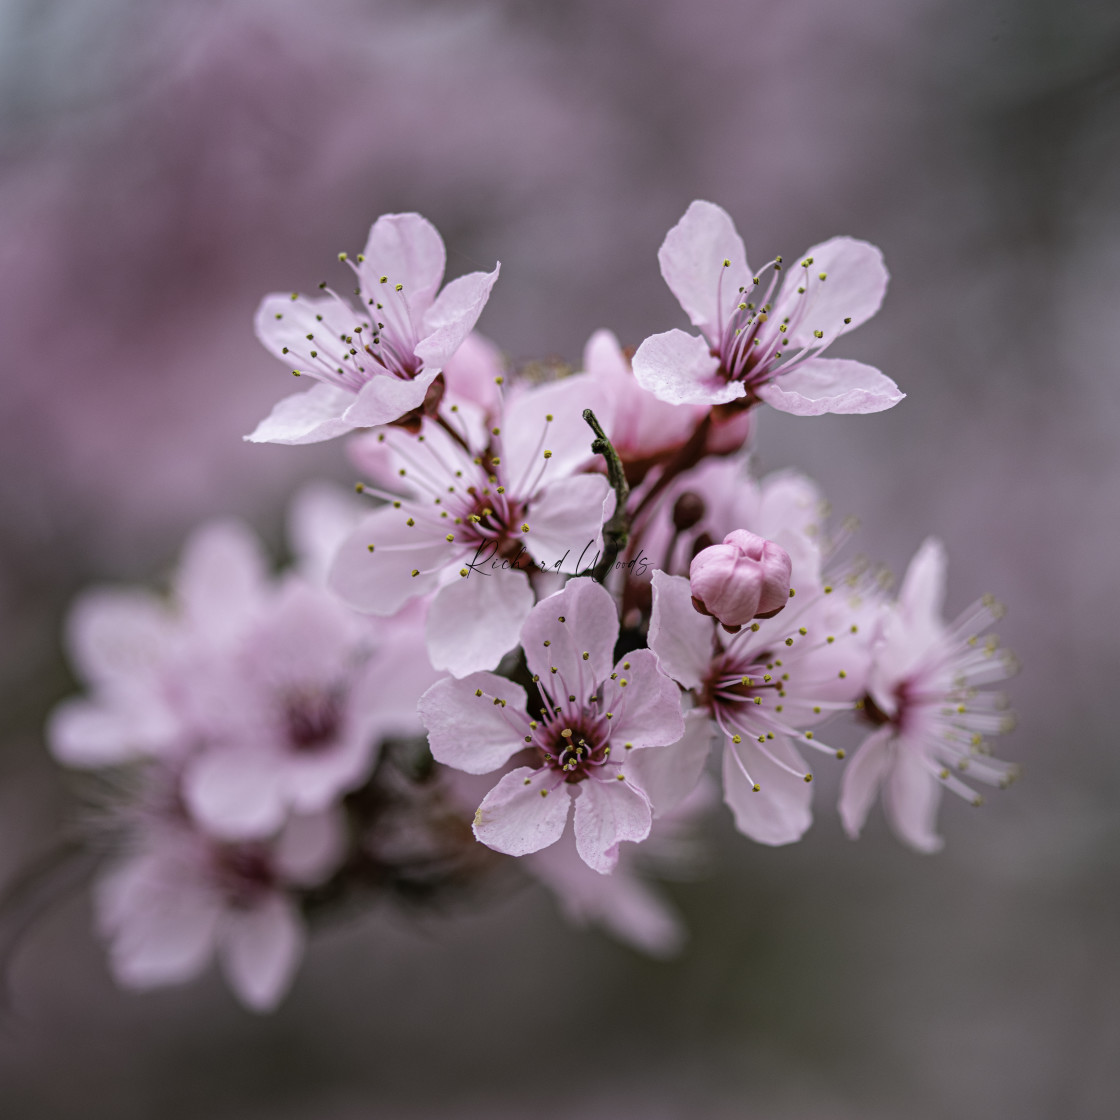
681 637
260 949
691 258
566 523
603 356
383 399
320 517
911 797
452 317
471 371
408 250
669 774
473 621
385 694
621 903
221 579
310 847
468 726
863 777
161 928
854 290
522 814
590 625
283 323
679 368
234 792
527 431
308 417
608 812
90 733
647 711
381 581
837 385
922 595
117 635
779 811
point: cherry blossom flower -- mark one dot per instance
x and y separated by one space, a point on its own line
760 341
477 508
590 720
374 365
763 689
932 720
179 898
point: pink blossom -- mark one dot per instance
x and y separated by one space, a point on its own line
745 577
748 328
374 365
477 507
179 898
763 689
590 718
932 720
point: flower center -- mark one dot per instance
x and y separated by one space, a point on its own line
312 719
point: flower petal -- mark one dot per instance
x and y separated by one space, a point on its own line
408 250
221 579
310 847
691 258
647 711
779 811
473 622
283 324
669 774
235 792
863 777
260 949
452 317
468 728
590 625
609 811
566 530
854 290
679 368
679 635
521 814
911 796
381 582
383 399
308 417
821 385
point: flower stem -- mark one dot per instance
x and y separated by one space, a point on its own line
616 532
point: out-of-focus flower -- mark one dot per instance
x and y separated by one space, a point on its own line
590 719
923 694
377 364
179 898
479 507
745 577
747 329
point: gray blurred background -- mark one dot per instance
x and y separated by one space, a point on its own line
164 164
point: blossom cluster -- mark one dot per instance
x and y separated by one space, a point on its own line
558 606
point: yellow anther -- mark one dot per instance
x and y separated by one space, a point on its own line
736 739
547 454
415 572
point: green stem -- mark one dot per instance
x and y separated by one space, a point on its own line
616 532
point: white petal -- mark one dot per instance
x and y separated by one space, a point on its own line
235 793
863 777
911 797
452 317
669 774
779 811
408 250
383 399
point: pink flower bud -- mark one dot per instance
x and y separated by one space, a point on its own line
745 577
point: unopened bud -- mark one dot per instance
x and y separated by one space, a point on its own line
745 577
688 509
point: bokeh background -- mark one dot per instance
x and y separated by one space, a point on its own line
163 164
